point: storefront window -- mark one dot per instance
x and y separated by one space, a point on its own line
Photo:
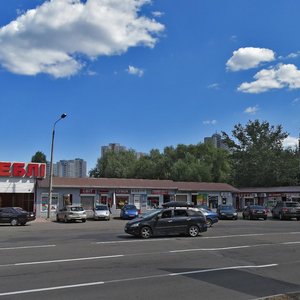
121 201
152 202
87 203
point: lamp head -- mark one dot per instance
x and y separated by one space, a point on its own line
63 116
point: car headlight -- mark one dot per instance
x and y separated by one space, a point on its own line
135 225
235 214
223 214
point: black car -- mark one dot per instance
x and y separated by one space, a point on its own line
167 221
254 212
15 216
227 212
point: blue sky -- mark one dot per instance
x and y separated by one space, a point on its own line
145 74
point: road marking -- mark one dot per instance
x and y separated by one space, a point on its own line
133 279
27 247
221 248
61 260
203 237
132 241
290 243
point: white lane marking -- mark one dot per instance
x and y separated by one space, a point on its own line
133 279
27 247
290 243
203 237
132 241
52 288
222 269
61 260
221 248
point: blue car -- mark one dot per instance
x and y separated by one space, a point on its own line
129 211
211 216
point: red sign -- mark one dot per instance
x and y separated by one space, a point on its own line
17 169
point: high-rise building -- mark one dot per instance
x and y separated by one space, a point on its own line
76 168
114 147
216 141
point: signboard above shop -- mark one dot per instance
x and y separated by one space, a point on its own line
23 170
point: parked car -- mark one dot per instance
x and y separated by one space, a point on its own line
177 204
227 212
129 211
167 221
71 213
211 216
101 212
255 212
286 210
15 216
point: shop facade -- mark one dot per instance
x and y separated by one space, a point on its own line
18 184
267 197
144 194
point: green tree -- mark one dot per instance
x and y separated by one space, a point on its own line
257 154
39 157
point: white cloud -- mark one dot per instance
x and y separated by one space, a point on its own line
210 122
274 78
249 57
157 14
296 101
290 141
50 38
135 71
252 110
214 86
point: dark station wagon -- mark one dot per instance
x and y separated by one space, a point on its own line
15 216
167 221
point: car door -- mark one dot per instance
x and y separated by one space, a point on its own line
181 221
163 224
5 215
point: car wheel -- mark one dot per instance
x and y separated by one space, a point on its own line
146 232
208 222
57 218
265 218
83 220
298 218
193 231
14 222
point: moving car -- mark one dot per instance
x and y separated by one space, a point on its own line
15 216
71 213
167 221
227 212
101 212
286 210
129 211
255 212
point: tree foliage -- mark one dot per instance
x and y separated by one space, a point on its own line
39 157
258 157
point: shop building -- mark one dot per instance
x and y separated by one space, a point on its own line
18 183
266 196
143 193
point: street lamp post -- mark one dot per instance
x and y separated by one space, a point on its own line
51 167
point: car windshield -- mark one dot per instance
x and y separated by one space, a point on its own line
256 207
226 207
130 207
102 207
292 204
77 208
19 209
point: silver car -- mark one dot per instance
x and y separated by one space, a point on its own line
71 213
101 212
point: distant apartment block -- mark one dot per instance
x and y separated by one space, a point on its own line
216 141
76 168
115 147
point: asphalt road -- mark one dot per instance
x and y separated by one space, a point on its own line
96 260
